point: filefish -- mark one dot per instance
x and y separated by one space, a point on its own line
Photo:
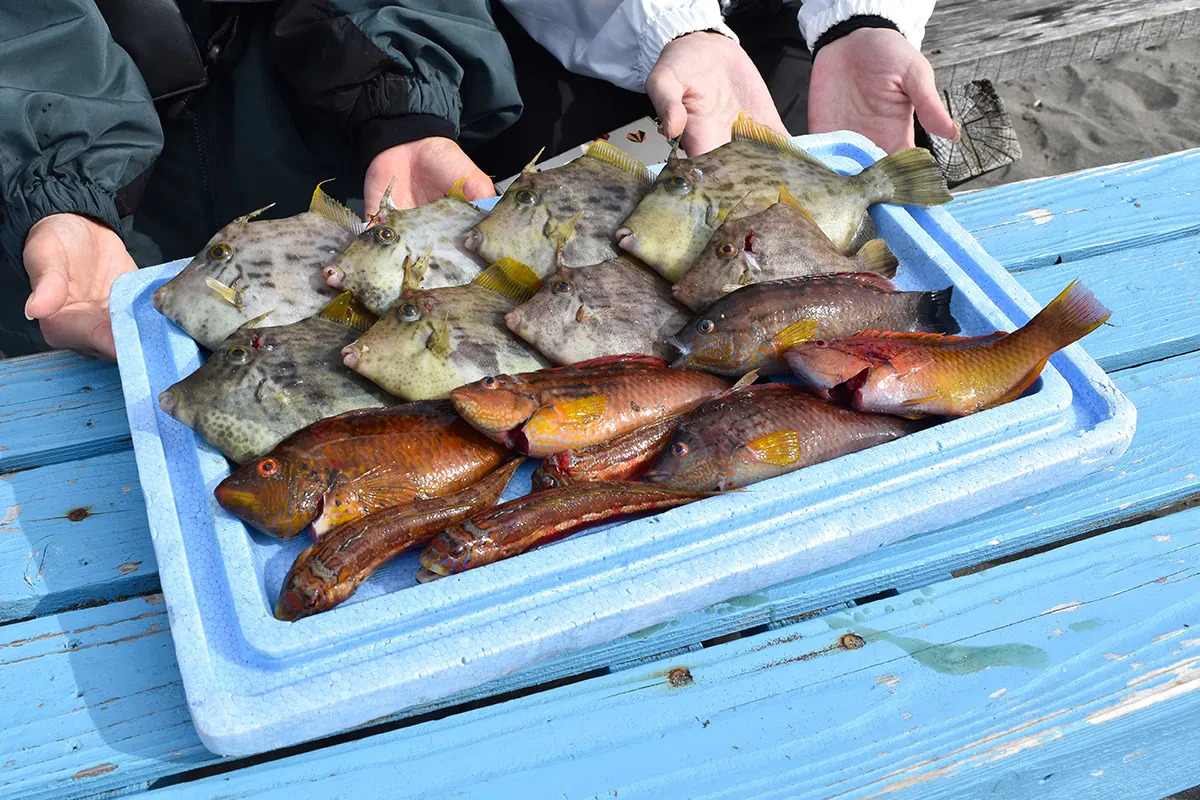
434 340
782 241
539 413
605 309
752 326
622 458
249 268
262 384
692 197
759 432
327 573
348 466
540 518
575 208
372 267
917 375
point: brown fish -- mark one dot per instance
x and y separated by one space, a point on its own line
348 466
603 309
749 328
923 374
759 432
544 412
327 573
692 197
781 242
620 459
540 518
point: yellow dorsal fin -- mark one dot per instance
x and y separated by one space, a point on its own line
254 214
344 309
779 449
561 234
582 411
439 340
787 199
253 323
609 154
326 207
531 167
799 332
226 293
456 191
510 278
747 130
415 269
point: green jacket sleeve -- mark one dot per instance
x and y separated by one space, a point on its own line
386 72
77 125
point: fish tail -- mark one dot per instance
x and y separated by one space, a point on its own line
914 178
875 256
1066 319
933 312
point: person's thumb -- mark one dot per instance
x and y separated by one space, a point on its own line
46 264
921 89
478 186
666 93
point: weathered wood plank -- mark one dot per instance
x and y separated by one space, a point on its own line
59 407
1121 207
1160 467
966 40
1024 675
73 534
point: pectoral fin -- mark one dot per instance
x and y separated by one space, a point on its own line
581 412
778 449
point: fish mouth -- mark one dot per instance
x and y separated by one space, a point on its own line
426 575
334 276
626 239
351 354
168 401
684 350
473 240
159 298
234 500
515 322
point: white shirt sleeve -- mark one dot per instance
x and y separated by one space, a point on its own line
910 16
614 40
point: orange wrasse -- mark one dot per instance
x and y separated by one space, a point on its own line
348 466
325 574
621 459
545 412
542 517
758 432
918 375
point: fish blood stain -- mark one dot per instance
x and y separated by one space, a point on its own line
77 514
679 676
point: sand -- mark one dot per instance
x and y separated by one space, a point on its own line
1134 105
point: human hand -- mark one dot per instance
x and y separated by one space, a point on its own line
699 85
424 170
72 262
870 82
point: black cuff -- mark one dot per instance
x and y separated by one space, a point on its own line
377 135
848 26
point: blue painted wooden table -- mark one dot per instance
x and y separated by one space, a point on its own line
1051 649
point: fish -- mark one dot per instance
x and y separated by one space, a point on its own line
758 432
750 327
264 383
602 309
575 208
622 458
327 572
434 340
539 518
251 267
917 375
544 412
692 196
782 241
373 266
350 465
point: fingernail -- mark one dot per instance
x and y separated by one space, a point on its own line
27 315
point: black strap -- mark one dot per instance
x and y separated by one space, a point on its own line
848 26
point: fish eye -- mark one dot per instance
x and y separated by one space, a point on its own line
526 198
385 235
220 252
679 184
821 343
238 354
705 326
561 287
726 250
679 449
409 312
268 467
458 549
488 383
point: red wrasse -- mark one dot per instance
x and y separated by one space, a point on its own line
623 458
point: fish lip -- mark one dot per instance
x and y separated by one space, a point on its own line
683 349
351 354
473 240
168 401
334 276
159 298
626 239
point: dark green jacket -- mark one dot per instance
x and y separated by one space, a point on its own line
316 88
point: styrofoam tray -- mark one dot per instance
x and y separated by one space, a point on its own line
254 683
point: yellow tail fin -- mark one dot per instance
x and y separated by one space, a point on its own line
915 177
